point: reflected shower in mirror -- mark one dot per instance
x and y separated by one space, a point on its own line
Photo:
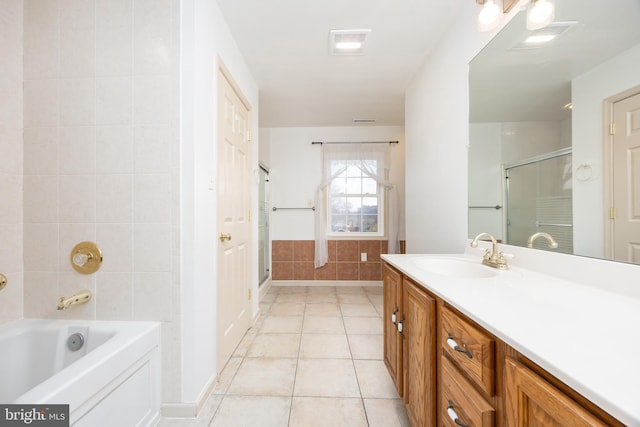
540 114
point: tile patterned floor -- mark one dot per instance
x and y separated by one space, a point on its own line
313 358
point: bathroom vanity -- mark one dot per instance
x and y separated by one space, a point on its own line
468 345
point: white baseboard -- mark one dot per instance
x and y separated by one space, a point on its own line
190 409
264 288
312 283
179 410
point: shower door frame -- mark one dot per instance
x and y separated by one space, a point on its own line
530 160
262 279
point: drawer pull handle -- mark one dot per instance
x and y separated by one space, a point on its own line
400 326
454 345
454 416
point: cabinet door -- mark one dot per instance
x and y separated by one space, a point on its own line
533 402
419 362
392 305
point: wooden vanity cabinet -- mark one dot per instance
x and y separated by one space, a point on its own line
419 360
531 402
450 369
392 309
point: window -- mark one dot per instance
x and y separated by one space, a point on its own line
350 200
355 200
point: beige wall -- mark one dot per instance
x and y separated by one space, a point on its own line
11 158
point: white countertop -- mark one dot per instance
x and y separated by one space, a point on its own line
587 337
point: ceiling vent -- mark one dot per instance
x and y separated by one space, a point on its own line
364 120
348 42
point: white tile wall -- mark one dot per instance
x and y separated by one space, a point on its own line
100 118
11 105
40 151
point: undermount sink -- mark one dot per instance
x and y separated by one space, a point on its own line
455 267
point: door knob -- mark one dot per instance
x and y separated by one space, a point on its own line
225 237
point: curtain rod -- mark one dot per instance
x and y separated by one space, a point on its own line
356 142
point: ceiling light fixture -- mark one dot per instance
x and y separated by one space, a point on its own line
348 42
348 45
540 38
489 14
540 13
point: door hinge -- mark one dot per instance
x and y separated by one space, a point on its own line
612 213
249 136
612 129
249 294
249 216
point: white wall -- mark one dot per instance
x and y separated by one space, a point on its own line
296 171
588 93
485 178
524 140
437 135
11 152
264 149
206 40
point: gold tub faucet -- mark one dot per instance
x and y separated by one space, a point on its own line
78 298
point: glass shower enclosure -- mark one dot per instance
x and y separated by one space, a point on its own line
539 197
264 261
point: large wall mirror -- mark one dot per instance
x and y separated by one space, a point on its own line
541 157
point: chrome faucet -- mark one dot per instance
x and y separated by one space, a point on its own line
78 298
491 258
552 242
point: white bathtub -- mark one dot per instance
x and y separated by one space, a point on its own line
113 380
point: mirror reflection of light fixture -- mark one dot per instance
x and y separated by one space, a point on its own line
489 14
540 13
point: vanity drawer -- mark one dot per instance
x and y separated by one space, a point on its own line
472 349
460 401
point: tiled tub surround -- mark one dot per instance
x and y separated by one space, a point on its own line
293 260
101 162
313 358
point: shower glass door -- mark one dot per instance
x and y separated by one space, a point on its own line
263 225
540 198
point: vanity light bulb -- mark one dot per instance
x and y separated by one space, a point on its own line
489 15
540 13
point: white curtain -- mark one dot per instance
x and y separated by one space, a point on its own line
374 161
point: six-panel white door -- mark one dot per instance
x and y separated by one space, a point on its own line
234 229
626 179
